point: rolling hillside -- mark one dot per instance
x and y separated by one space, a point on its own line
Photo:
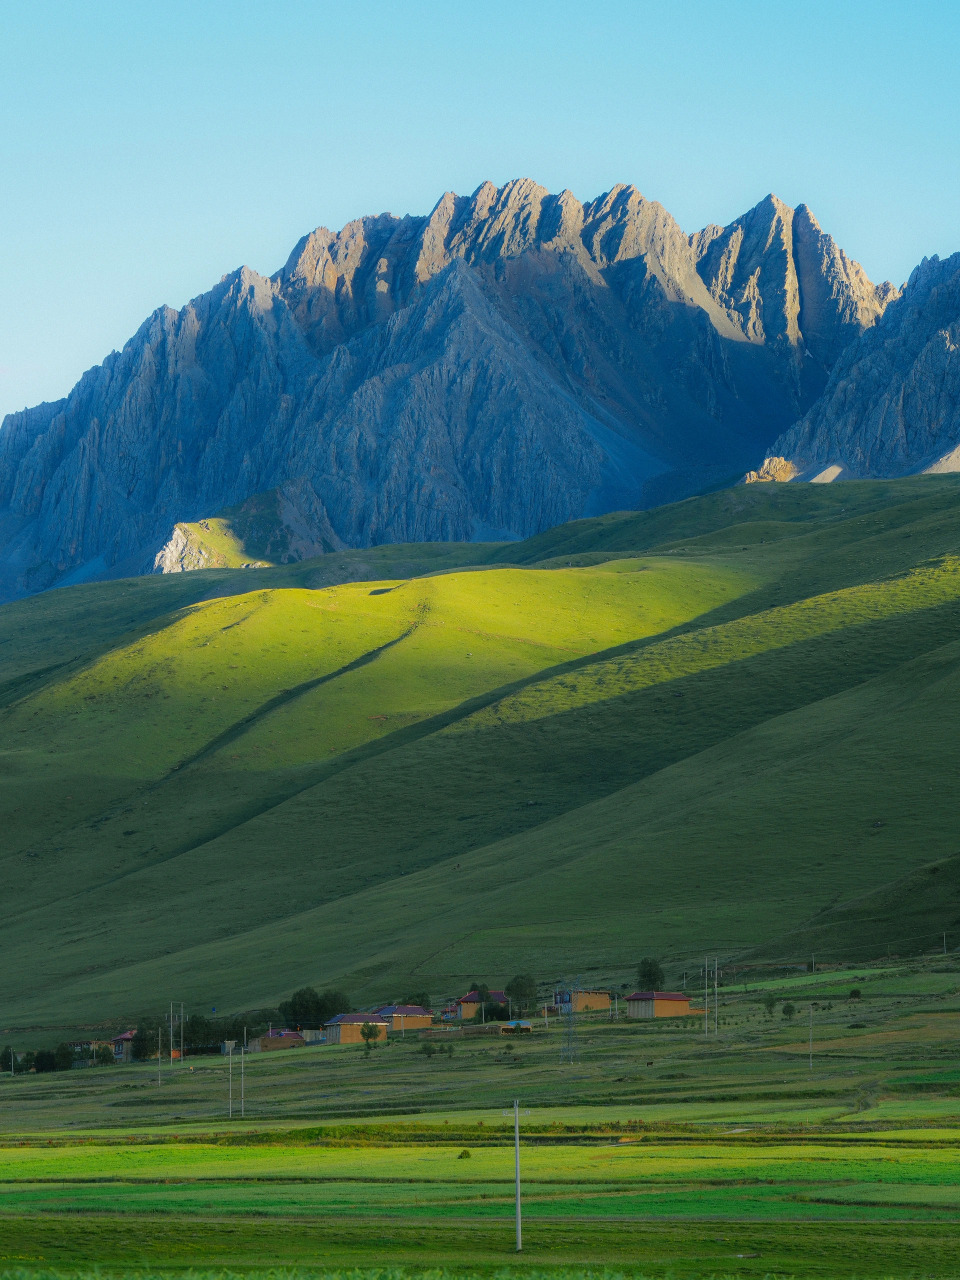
727 724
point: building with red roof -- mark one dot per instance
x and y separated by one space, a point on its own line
658 1004
468 1006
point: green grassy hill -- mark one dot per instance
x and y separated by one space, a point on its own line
729 725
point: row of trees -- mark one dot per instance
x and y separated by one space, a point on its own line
61 1058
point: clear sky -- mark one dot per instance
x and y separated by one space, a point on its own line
145 150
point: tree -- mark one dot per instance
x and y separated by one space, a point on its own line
770 1003
144 1043
370 1032
8 1059
522 991
650 975
482 991
104 1056
309 1008
63 1056
198 1032
420 998
44 1060
788 1010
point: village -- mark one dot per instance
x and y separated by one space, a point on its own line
481 1012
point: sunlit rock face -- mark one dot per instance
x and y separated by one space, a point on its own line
512 360
892 404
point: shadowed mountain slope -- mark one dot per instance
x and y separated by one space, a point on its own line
510 361
892 404
739 710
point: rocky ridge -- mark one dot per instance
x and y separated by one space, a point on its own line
892 403
510 361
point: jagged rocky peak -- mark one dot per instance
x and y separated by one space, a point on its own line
786 282
892 404
512 359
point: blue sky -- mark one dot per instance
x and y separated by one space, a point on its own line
147 150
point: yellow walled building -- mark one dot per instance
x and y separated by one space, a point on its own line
346 1028
658 1004
582 1001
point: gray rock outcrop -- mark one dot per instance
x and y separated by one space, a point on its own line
892 404
512 360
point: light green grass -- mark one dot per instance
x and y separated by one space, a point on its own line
420 780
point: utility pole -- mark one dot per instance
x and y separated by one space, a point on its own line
230 1078
159 1052
944 944
171 1034
181 1033
243 1054
11 1060
516 1142
706 995
716 1002
811 1036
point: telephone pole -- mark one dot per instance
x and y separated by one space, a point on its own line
706 995
516 1141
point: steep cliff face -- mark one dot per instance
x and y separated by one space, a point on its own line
508 362
892 405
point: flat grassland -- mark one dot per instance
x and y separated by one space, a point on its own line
662 1150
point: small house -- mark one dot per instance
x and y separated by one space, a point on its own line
345 1028
658 1004
581 1001
278 1039
468 1006
518 1027
123 1047
405 1017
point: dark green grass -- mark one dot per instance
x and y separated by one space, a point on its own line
230 836
677 1249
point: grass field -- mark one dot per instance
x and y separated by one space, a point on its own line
406 767
659 1151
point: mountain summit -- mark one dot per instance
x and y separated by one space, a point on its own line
512 360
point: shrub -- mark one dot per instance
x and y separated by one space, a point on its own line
855 993
650 976
464 1154
788 1010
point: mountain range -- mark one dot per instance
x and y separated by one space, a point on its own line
510 361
